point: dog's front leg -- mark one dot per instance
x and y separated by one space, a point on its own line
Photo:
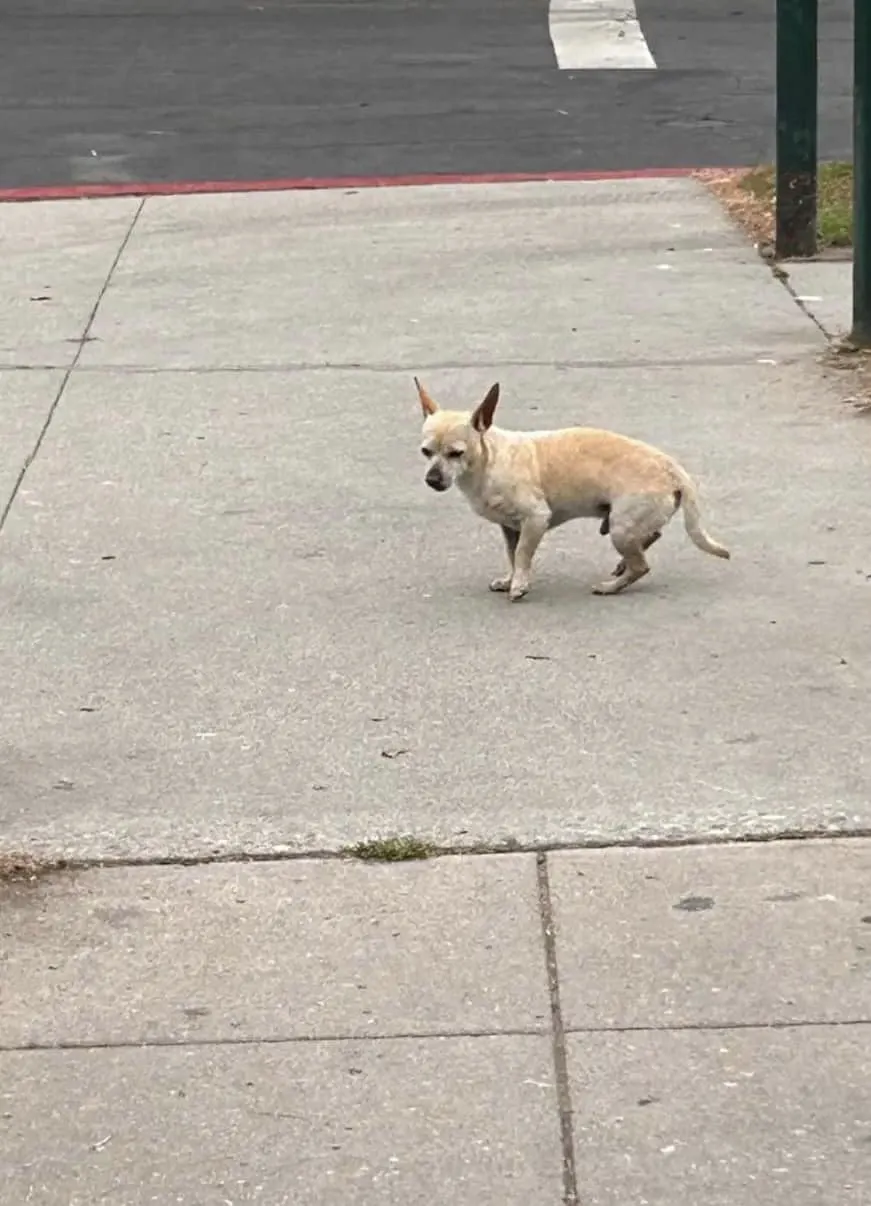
511 538
532 531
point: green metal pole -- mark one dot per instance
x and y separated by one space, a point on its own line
861 333
797 86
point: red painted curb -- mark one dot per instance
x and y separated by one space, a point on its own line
72 192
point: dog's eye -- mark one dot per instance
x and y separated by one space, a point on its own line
427 452
453 453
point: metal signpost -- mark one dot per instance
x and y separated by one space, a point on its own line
861 332
796 168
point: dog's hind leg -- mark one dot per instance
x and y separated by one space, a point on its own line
636 525
620 568
511 538
633 566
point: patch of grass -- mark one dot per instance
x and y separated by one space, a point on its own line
748 194
835 218
392 850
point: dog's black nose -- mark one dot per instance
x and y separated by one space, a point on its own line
436 483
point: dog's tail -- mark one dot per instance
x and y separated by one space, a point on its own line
687 497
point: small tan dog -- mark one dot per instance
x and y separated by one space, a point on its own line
528 482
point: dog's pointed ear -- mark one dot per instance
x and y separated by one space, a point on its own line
427 405
483 415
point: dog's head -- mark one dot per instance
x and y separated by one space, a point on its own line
452 440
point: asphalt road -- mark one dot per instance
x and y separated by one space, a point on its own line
194 90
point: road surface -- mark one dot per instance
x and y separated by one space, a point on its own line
121 91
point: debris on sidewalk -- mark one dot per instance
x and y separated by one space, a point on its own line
21 868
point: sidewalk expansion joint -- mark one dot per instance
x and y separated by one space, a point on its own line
560 1059
301 1040
389 368
273 1040
47 864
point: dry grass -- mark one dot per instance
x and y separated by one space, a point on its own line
748 195
751 214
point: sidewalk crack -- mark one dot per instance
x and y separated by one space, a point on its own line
68 372
560 1060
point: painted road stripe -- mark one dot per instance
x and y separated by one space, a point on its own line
595 34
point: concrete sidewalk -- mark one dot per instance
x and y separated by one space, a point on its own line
599 1027
824 288
236 626
229 598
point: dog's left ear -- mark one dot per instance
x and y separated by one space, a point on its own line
483 414
426 403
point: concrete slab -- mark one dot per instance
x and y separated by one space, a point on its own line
825 288
461 274
714 936
278 950
241 625
312 1124
765 1118
27 399
55 262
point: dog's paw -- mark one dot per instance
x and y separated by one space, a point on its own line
501 585
517 591
612 587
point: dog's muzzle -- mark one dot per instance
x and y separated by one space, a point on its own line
435 481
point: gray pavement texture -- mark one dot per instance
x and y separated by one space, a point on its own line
825 288
236 621
121 91
650 1026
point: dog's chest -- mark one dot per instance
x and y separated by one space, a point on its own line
497 507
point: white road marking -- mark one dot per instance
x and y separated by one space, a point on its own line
590 34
